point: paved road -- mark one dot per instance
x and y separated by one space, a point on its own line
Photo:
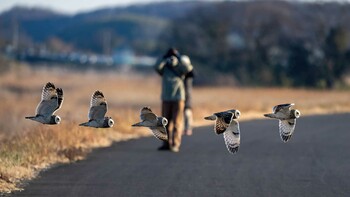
316 162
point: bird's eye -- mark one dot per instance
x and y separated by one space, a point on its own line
237 113
164 121
57 119
110 122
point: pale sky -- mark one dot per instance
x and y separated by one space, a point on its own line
75 6
71 6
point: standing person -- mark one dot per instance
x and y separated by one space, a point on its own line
188 81
173 73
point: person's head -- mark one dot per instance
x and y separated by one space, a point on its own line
171 52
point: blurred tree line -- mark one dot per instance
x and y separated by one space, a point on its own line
265 43
249 43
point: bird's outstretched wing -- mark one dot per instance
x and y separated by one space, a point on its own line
98 106
282 107
146 114
49 91
59 98
232 137
49 100
286 129
222 122
160 132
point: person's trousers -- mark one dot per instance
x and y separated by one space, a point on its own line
173 111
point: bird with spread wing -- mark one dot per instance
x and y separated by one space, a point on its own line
226 123
51 101
155 123
287 119
97 112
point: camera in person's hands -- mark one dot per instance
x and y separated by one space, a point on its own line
172 61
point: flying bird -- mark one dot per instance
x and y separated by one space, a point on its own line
226 123
287 119
51 101
97 112
155 123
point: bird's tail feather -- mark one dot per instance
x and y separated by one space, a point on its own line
84 124
30 117
212 117
137 124
270 115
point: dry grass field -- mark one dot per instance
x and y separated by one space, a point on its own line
26 146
